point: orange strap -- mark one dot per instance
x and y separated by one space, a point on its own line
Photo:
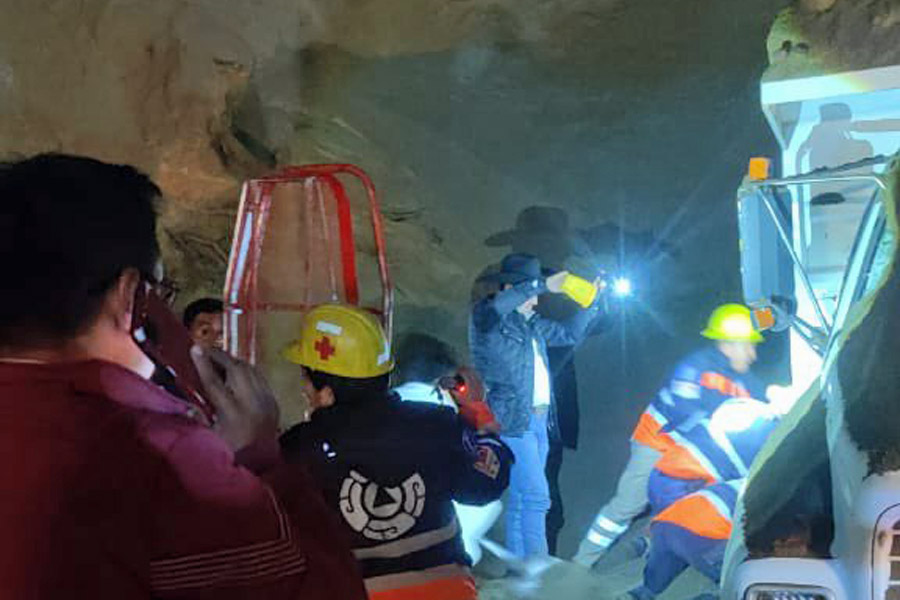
697 515
451 588
722 384
649 433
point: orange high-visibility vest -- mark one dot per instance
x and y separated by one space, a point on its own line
679 462
707 513
454 587
649 431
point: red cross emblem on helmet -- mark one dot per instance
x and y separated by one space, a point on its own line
325 349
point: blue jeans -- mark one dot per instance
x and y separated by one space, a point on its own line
529 493
673 549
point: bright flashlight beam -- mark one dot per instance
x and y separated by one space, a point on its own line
622 287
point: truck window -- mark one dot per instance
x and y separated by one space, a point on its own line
833 213
881 258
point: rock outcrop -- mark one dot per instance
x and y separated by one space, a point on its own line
816 37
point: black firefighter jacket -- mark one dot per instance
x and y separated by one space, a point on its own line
391 470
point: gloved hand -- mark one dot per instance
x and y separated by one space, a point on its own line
468 393
781 398
478 415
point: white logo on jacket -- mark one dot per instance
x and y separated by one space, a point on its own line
391 518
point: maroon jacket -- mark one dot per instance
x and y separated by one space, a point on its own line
109 490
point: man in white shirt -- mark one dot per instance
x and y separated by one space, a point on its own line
422 361
508 342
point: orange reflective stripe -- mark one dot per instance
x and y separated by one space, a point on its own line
451 588
723 385
678 462
698 515
648 432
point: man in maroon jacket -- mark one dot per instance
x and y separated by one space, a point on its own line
109 487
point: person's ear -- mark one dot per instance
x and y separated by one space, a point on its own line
324 398
120 299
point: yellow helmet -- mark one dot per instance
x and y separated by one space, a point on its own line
341 340
732 323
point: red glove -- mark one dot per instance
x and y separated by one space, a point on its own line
468 392
478 415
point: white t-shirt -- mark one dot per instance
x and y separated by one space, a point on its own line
541 378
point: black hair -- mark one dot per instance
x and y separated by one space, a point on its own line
199 307
348 390
69 227
424 358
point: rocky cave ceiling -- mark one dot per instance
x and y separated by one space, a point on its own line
637 113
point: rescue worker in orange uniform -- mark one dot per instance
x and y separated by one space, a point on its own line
720 448
692 532
692 529
391 469
699 384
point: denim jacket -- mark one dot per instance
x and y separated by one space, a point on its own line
500 340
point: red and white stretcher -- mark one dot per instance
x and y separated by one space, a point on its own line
303 236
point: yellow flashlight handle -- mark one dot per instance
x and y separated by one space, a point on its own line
580 290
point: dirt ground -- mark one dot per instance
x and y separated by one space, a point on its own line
610 578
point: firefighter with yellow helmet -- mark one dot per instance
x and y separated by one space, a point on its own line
390 469
698 386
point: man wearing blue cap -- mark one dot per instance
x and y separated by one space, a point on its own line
508 342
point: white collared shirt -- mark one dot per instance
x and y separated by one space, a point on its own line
541 378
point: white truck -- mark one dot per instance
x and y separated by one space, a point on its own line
820 518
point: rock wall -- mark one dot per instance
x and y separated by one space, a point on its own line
162 85
815 37
147 83
202 94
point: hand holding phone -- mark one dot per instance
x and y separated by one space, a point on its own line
165 340
230 396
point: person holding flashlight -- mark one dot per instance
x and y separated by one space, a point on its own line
508 342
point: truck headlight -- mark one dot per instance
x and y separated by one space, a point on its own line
787 592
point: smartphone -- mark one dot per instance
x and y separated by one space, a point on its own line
166 341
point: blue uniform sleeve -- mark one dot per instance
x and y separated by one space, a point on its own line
692 395
756 387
